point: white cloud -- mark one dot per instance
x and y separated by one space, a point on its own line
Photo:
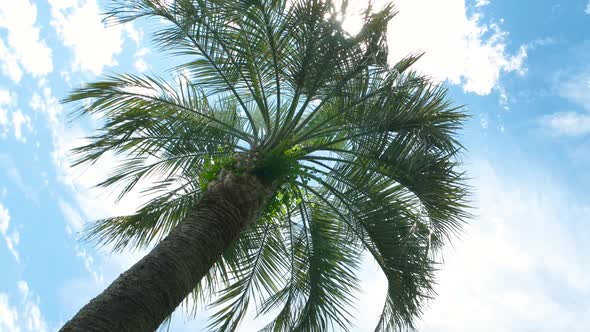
10 238
484 121
18 120
140 64
481 3
134 34
503 100
587 10
74 225
575 86
9 168
24 317
8 315
19 17
9 63
6 99
31 316
89 264
79 25
461 49
75 221
46 104
465 50
567 123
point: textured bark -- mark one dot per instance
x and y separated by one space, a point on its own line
142 297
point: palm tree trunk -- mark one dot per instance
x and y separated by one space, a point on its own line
142 297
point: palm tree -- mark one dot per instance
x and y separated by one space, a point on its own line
285 150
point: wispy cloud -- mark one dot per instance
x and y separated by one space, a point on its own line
74 225
10 116
573 85
9 168
89 264
6 101
11 236
567 124
73 218
9 63
481 3
139 64
8 315
31 317
24 316
20 120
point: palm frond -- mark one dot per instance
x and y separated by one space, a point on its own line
363 155
148 225
254 274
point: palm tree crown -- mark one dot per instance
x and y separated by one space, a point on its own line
361 155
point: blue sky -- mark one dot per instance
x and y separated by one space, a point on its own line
521 68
